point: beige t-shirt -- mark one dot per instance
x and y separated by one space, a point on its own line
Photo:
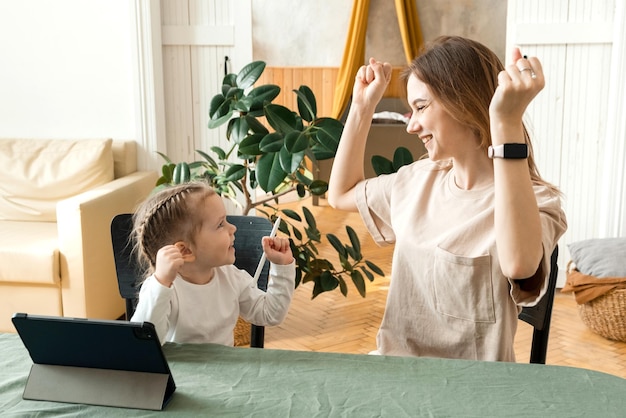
447 296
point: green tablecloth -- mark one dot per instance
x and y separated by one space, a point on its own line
240 382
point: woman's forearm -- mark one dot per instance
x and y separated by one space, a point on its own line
347 168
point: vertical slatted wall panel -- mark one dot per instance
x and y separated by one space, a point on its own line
197 35
568 118
177 88
208 64
321 80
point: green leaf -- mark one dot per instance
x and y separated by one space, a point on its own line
320 264
208 158
272 142
280 118
256 126
317 289
345 264
216 104
352 253
354 240
318 187
328 133
249 74
301 190
233 93
296 142
292 214
230 80
297 234
310 219
328 281
290 162
343 287
321 153
168 174
357 279
382 165
298 277
402 156
269 172
182 173
219 111
220 152
264 93
165 157
375 268
235 172
337 245
369 275
303 179
161 181
307 106
237 130
250 145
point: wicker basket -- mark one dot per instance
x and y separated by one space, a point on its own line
606 315
242 333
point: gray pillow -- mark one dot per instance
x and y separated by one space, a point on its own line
600 257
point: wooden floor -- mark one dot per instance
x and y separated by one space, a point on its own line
334 323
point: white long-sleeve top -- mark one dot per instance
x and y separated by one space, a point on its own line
191 313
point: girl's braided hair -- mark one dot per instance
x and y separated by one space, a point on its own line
166 217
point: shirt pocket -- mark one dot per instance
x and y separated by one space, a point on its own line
463 286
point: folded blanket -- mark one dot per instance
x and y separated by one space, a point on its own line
587 288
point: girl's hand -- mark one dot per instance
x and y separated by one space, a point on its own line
371 82
277 250
517 87
168 261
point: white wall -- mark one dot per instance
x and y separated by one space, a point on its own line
65 69
313 34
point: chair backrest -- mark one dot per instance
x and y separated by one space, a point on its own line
248 252
540 315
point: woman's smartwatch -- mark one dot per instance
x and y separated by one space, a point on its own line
516 151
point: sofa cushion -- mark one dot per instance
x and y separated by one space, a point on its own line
124 158
29 252
37 173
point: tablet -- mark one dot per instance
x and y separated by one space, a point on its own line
100 362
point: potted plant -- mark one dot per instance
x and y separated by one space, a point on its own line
276 149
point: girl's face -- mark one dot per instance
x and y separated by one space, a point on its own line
443 137
213 243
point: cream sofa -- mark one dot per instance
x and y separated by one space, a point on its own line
57 199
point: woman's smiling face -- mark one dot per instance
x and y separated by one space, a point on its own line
442 135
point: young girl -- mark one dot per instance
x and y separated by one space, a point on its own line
194 293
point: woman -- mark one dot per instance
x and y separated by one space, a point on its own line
474 224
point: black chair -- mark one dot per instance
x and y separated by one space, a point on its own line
540 315
248 250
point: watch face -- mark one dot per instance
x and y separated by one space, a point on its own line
515 151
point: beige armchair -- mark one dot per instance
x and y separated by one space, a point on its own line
57 199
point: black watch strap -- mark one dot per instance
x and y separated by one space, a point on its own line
515 151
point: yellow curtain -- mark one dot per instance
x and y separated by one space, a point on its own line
353 56
410 28
354 52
